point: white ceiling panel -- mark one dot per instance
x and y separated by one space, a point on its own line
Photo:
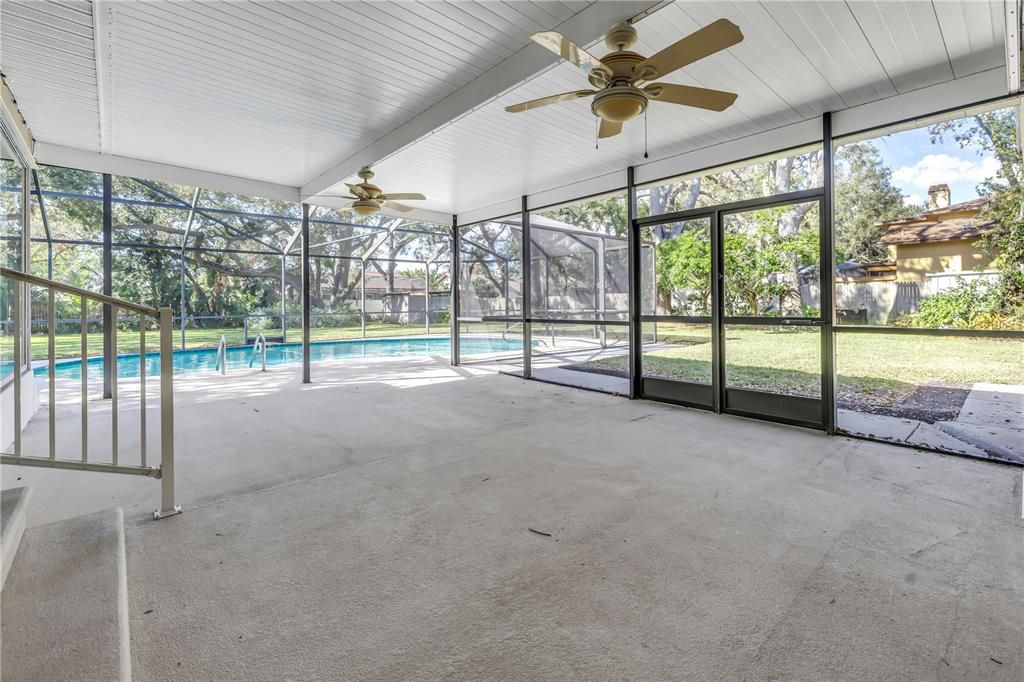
797 60
973 34
269 90
907 39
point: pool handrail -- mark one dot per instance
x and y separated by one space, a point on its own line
21 288
260 345
222 355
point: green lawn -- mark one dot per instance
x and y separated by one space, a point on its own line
877 368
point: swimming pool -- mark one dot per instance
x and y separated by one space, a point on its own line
205 359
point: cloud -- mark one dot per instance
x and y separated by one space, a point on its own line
937 169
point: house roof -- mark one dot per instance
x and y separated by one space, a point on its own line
949 223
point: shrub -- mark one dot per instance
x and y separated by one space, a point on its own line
977 304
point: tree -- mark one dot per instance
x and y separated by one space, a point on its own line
864 196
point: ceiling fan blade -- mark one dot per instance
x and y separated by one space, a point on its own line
357 190
702 98
550 99
329 196
609 129
571 52
402 208
407 195
699 44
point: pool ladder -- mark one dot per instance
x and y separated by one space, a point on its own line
260 347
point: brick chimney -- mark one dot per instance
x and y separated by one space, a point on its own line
938 196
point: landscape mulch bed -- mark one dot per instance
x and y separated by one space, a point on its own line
928 403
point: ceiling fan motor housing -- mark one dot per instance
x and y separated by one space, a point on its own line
620 100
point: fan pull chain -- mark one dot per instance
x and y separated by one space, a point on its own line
645 133
597 133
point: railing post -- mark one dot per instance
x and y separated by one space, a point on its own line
167 504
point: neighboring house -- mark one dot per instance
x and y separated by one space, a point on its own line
377 285
943 239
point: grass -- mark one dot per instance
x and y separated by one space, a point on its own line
70 345
869 366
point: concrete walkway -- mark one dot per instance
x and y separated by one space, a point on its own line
990 424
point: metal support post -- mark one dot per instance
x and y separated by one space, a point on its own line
108 286
526 291
426 295
599 294
362 298
184 244
182 308
284 310
826 280
717 313
46 224
634 307
25 260
453 295
306 276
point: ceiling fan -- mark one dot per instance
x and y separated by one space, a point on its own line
623 78
369 198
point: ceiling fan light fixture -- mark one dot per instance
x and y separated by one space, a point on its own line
619 103
365 207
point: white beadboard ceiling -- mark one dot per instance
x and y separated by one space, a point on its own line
797 61
286 92
47 55
274 91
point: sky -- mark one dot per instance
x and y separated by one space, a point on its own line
916 163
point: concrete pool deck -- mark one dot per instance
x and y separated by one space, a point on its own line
377 524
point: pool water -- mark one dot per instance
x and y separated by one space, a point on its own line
205 359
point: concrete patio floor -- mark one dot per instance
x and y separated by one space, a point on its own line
377 524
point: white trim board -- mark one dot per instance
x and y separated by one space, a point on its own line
83 159
13 126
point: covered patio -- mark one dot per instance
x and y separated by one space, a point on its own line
511 340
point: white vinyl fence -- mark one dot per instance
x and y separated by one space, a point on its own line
883 302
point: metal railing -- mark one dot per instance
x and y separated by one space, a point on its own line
260 346
21 285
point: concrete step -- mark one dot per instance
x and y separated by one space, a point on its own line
65 605
13 503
